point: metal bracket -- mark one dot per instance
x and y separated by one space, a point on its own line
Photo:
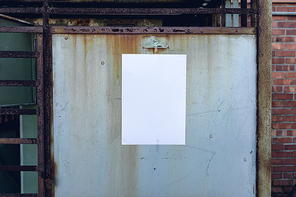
155 43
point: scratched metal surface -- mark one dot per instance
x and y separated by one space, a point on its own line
219 157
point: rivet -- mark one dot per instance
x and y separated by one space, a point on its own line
66 37
103 62
211 136
245 159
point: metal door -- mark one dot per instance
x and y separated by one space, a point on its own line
219 157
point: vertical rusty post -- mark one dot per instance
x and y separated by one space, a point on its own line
254 16
40 115
244 21
47 96
223 16
264 99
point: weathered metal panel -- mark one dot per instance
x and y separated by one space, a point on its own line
219 158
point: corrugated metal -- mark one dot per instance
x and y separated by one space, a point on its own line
219 158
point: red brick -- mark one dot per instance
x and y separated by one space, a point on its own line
290 46
279 18
287 190
290 89
276 103
285 39
281 111
281 140
291 32
289 104
273 55
289 118
277 89
291 60
289 161
278 75
283 96
279 133
293 126
273 39
277 45
289 175
278 31
282 183
294 111
273 24
281 154
294 141
286 24
276 176
276 161
281 125
278 60
273 9
276 190
285 53
283 168
286 9
291 67
284 81
290 147
289 133
293 155
290 18
290 74
277 118
285 68
277 147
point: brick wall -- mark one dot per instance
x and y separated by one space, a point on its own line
283 164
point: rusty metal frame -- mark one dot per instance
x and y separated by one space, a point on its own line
152 30
39 111
45 167
131 11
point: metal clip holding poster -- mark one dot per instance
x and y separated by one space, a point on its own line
155 43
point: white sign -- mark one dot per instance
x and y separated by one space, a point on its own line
153 99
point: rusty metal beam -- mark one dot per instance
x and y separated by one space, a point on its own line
48 176
18 195
18 83
254 17
40 114
264 99
18 168
28 10
18 141
151 30
150 11
17 54
5 111
20 29
244 21
130 11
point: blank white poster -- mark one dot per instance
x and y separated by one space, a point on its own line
153 99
